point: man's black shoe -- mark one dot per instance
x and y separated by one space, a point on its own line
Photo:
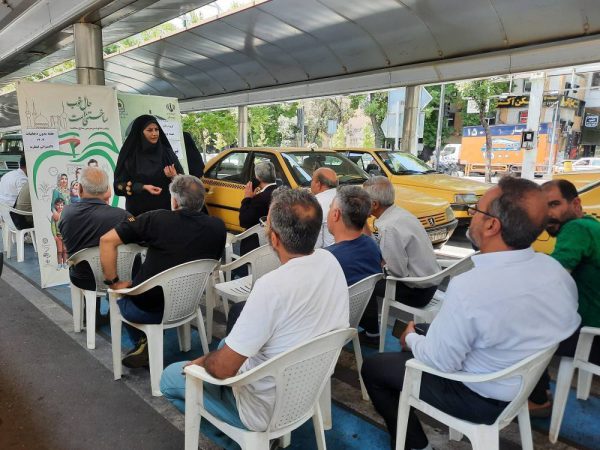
369 341
138 357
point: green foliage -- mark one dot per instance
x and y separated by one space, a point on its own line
319 111
368 136
264 123
375 106
339 138
209 127
483 93
431 115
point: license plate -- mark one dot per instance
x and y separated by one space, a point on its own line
435 236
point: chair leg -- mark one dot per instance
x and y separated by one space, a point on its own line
359 361
210 307
525 428
20 246
561 394
486 438
286 440
76 302
385 311
9 243
184 336
325 406
402 423
154 334
90 317
192 413
115 336
255 441
202 332
455 435
319 430
225 307
32 234
584 384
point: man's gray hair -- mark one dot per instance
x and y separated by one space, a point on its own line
265 171
381 190
94 181
355 205
519 230
296 217
188 191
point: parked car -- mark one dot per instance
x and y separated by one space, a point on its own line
403 169
227 173
586 164
580 178
11 149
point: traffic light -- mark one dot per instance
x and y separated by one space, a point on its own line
447 109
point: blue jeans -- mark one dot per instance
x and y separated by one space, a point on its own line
218 400
132 312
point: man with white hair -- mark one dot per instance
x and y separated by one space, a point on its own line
83 223
256 202
173 237
406 250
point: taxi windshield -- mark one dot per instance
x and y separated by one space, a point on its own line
401 163
303 164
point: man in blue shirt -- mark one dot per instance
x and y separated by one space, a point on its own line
357 253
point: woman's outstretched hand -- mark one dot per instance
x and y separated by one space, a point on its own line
170 171
153 190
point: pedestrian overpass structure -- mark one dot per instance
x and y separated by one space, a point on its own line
278 50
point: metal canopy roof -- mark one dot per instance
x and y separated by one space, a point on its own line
285 49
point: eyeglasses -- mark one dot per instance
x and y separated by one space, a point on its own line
472 210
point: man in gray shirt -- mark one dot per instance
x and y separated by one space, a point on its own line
406 250
83 223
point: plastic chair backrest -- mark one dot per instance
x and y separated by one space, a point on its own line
257 229
461 266
183 286
5 210
529 370
359 294
125 259
301 374
262 260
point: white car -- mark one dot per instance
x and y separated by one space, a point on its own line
587 164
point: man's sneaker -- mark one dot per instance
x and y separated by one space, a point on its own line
369 341
138 357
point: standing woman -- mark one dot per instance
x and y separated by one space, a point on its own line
145 167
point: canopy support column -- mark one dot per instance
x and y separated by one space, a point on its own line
242 126
89 61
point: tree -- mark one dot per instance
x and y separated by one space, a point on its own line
264 124
375 106
431 115
484 94
368 136
210 128
319 111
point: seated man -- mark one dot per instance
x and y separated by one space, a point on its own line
303 298
23 203
11 186
83 223
356 252
512 304
173 237
406 250
577 249
256 202
323 185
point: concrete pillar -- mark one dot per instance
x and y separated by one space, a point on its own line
536 98
89 61
411 120
242 126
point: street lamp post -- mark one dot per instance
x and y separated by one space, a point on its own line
553 139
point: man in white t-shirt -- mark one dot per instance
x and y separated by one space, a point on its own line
11 184
323 185
304 298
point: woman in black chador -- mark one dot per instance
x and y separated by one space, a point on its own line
145 167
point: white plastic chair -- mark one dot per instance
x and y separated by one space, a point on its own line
261 260
429 311
182 287
565 374
359 294
125 259
257 229
10 233
300 375
482 437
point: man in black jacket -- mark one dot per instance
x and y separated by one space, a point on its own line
256 202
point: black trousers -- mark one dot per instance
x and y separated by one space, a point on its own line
410 296
566 348
232 317
21 222
383 375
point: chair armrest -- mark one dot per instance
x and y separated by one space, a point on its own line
200 372
241 261
458 376
590 330
20 212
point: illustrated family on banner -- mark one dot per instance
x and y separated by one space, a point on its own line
65 128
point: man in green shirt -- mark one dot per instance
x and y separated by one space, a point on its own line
578 250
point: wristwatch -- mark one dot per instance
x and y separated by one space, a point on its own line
111 282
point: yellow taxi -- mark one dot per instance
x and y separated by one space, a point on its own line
226 175
590 200
403 169
579 178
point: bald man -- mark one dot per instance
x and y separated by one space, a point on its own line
512 304
323 186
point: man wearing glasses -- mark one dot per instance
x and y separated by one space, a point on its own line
512 304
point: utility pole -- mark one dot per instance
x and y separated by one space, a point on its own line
440 123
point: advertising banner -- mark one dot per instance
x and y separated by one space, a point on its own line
165 109
65 127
